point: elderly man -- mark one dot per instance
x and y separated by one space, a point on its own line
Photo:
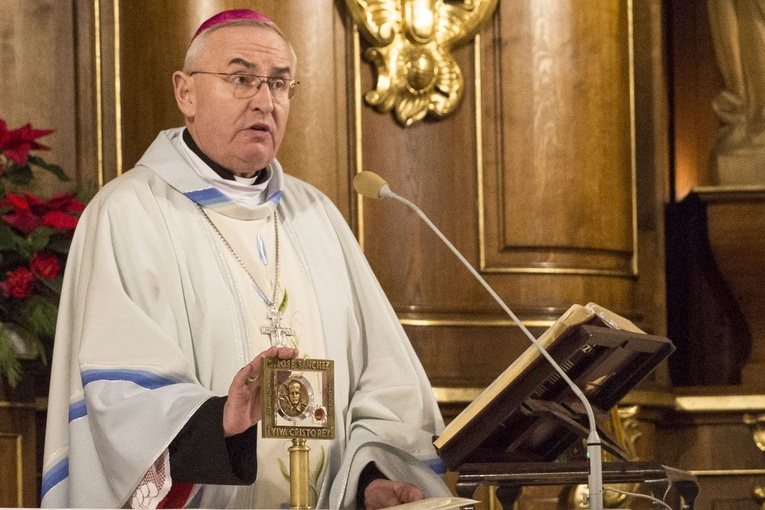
181 270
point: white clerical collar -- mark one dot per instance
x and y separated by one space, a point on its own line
241 190
249 181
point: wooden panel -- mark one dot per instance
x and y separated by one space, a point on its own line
432 164
731 492
467 357
651 161
11 468
558 169
153 37
707 436
18 443
739 249
37 47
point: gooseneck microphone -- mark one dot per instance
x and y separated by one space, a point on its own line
371 185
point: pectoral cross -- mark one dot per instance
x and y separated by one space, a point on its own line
276 331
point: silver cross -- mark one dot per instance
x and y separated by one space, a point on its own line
277 333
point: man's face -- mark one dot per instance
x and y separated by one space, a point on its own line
294 394
243 135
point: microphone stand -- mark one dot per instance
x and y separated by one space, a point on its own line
595 476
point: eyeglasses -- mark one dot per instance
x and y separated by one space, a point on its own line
247 85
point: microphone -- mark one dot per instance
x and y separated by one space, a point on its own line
371 185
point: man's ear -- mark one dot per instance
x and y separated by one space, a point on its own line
183 85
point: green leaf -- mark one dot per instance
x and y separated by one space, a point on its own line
11 240
54 169
59 244
39 316
54 284
22 247
10 368
39 238
20 175
7 237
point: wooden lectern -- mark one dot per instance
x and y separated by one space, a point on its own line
515 432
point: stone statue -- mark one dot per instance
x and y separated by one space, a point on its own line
738 33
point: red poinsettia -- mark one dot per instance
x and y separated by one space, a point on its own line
25 248
29 212
17 144
17 162
45 265
19 284
35 235
28 253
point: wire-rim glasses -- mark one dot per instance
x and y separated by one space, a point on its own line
247 85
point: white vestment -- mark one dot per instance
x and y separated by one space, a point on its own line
152 324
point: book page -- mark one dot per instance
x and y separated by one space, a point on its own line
443 503
614 320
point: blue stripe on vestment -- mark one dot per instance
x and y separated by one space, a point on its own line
207 197
60 471
77 410
275 197
437 465
142 378
55 475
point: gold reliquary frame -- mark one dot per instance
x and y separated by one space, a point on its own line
411 44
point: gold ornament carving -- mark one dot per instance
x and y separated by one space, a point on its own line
756 424
411 44
625 429
630 429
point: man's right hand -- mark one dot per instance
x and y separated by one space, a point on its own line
242 408
382 493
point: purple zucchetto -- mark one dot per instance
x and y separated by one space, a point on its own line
228 16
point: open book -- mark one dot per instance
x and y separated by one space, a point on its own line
529 413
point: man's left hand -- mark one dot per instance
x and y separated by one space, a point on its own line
242 408
383 493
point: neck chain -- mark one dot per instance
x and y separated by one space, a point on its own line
277 333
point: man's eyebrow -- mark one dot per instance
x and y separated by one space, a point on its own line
279 71
241 62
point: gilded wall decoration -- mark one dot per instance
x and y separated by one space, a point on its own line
411 47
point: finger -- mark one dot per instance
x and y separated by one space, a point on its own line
253 375
286 352
257 361
408 493
247 376
380 497
271 352
383 493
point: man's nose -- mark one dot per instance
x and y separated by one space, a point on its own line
262 100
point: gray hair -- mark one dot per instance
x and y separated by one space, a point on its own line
197 44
